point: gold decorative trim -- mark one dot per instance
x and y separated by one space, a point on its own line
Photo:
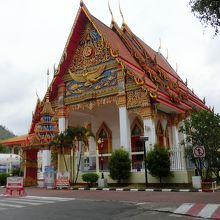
143 112
92 104
121 101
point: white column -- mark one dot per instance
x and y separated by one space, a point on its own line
125 133
150 132
46 159
175 136
62 123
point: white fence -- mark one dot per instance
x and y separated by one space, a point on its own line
178 160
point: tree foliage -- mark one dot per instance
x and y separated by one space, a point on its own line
203 129
90 178
120 165
208 12
158 162
68 139
4 149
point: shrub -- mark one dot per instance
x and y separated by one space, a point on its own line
3 178
120 165
17 172
90 178
158 162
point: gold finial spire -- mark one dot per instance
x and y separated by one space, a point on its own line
54 69
159 46
186 82
81 3
110 10
204 100
123 20
37 96
176 67
167 56
48 73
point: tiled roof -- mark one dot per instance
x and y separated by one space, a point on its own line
15 140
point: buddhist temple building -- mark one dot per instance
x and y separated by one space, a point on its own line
111 81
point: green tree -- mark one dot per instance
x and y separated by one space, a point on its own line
79 134
4 150
60 142
208 12
120 165
158 162
203 129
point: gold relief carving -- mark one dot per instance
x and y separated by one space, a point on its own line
92 50
176 118
121 101
143 112
92 104
88 77
62 111
137 98
91 95
61 89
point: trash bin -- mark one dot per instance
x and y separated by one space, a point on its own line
196 182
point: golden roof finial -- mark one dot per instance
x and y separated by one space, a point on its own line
48 73
176 67
37 96
159 46
54 69
204 100
110 10
123 20
167 56
81 3
186 82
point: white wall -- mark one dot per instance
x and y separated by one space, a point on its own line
107 113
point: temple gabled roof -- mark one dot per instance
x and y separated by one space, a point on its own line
146 65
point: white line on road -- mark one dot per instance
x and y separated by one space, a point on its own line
184 208
208 210
11 205
50 198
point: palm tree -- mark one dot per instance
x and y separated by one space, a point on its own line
60 142
80 134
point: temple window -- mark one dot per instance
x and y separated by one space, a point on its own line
137 146
160 134
104 142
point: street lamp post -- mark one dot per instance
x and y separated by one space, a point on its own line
143 139
100 146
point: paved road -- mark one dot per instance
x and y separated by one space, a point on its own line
119 204
56 208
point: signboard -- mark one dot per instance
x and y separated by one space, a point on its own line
199 151
63 180
15 183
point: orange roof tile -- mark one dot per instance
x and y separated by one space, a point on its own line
15 140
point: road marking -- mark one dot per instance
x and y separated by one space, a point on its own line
11 205
21 202
50 198
208 210
32 200
199 210
184 208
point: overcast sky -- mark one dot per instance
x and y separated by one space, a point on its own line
33 34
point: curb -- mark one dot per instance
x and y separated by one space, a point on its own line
135 190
